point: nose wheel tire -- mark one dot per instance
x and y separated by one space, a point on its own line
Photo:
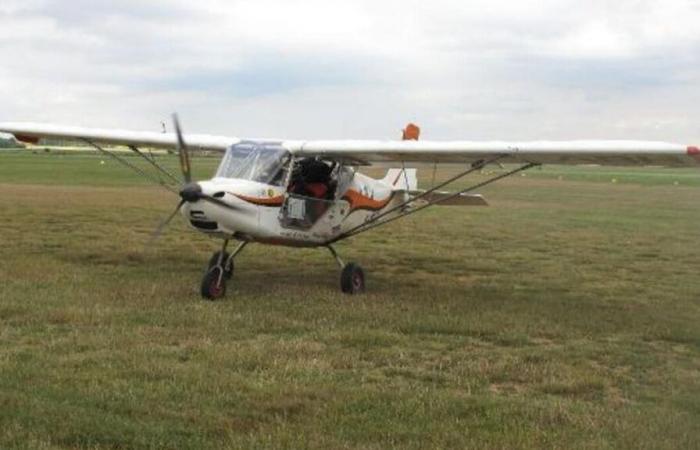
352 279
228 269
214 283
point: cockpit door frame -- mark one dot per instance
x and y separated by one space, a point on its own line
303 212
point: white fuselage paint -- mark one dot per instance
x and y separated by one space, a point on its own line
259 209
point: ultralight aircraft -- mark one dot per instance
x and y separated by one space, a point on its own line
312 194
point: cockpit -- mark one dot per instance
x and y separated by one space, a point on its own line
311 187
265 163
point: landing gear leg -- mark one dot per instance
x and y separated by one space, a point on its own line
219 271
352 277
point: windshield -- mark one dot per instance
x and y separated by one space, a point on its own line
262 162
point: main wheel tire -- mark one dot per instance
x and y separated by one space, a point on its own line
214 260
352 279
213 284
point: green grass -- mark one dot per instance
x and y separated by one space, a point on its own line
85 169
563 316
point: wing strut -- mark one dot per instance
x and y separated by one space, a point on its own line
477 165
375 222
131 166
151 160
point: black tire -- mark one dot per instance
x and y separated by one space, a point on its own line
214 260
213 285
352 279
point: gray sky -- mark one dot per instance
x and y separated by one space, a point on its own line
467 69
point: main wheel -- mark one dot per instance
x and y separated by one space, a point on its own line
214 260
214 284
352 279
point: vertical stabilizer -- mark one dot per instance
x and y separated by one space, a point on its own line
402 179
411 132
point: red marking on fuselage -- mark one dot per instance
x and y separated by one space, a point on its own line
262 201
694 152
288 242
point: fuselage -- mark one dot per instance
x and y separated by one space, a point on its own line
273 201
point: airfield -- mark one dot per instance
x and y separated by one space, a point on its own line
565 315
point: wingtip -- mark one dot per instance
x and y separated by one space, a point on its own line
694 152
15 130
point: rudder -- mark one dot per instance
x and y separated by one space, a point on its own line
402 179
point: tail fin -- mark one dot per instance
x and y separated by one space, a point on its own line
411 132
402 179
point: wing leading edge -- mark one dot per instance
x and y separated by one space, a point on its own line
32 132
613 153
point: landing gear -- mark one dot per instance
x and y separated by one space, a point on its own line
219 271
227 260
214 284
352 277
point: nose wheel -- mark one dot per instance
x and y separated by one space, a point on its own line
219 271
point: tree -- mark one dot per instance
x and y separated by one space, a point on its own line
10 143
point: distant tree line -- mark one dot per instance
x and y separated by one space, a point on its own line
50 142
10 143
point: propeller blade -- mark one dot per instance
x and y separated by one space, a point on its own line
182 151
159 231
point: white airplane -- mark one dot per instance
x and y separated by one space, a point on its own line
311 193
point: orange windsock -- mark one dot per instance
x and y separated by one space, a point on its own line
411 132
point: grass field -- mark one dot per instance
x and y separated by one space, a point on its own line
566 315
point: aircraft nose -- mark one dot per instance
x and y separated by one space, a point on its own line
191 192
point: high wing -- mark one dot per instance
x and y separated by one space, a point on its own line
612 153
616 153
32 132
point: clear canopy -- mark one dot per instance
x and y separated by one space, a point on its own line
254 161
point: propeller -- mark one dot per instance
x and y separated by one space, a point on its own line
191 191
182 152
164 224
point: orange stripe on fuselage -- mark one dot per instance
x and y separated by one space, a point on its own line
262 201
356 200
359 201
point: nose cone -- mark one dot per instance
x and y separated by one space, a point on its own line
191 192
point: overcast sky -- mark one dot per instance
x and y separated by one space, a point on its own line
489 69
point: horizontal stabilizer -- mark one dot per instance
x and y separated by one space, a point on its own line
459 200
